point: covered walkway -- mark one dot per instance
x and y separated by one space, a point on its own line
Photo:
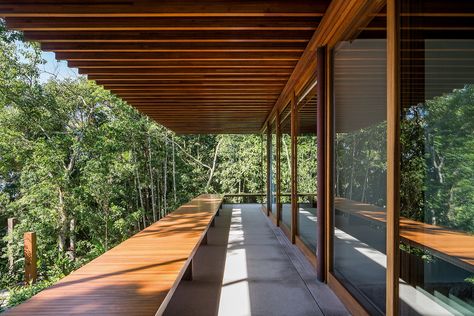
249 268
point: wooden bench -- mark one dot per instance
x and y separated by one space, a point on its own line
137 277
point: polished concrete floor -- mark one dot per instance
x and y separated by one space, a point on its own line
249 268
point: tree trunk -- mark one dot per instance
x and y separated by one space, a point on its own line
142 205
151 180
165 171
63 223
136 199
211 175
174 171
158 193
72 238
106 207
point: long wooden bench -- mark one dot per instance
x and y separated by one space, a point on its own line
137 277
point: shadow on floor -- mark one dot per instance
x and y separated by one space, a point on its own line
201 295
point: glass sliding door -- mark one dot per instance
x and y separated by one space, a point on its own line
286 167
437 158
360 165
307 167
273 165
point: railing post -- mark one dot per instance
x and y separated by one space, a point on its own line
11 259
29 240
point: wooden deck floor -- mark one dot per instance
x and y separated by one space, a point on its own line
452 246
139 276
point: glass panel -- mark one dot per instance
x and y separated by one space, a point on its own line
286 166
273 174
307 167
360 170
437 159
263 167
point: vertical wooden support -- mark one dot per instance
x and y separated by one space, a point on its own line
269 169
11 260
188 274
294 168
393 157
329 168
29 240
321 145
278 168
204 240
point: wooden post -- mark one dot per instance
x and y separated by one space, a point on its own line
269 169
294 169
29 240
393 157
278 168
321 146
188 274
11 260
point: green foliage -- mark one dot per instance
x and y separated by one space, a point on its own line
19 294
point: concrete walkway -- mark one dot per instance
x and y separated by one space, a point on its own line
249 268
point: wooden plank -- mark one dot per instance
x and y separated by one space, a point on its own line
341 19
222 56
137 277
247 64
169 8
393 159
187 36
142 45
163 23
171 46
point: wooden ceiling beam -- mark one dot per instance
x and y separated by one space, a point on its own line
163 24
163 8
189 36
177 64
180 55
171 46
341 21
186 72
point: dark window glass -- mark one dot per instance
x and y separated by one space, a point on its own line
437 158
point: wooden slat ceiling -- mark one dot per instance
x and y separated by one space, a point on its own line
193 66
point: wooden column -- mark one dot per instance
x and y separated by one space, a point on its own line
188 273
393 157
29 240
321 145
329 170
269 169
11 260
278 168
294 169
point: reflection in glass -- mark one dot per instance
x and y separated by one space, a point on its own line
360 170
285 166
307 167
273 171
437 161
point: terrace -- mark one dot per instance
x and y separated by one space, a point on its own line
333 88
